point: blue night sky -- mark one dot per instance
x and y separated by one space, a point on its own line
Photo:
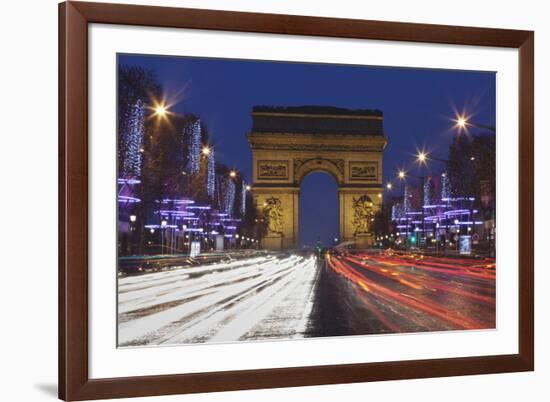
418 107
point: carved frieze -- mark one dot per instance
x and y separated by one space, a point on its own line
272 169
363 171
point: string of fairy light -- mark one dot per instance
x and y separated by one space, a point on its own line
210 170
243 197
427 190
133 141
195 146
229 196
445 186
181 220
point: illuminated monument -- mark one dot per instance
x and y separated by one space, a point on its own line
288 143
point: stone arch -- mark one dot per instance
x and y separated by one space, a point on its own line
333 167
288 143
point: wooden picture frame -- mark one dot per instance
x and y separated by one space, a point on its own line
74 381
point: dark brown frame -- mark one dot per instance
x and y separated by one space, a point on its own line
74 17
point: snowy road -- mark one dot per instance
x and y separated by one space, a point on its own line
267 297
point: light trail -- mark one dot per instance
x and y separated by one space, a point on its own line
257 298
416 281
430 297
460 268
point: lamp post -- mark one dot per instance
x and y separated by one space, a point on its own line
133 219
402 175
183 229
163 224
422 159
462 123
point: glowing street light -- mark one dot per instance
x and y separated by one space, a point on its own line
133 218
389 186
248 187
160 110
232 174
461 122
421 157
163 223
401 174
206 150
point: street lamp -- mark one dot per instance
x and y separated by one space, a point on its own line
462 122
206 150
160 110
132 233
401 174
232 174
163 224
248 187
389 186
421 157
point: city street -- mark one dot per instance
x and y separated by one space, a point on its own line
282 296
262 297
370 293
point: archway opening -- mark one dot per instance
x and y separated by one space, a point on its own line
318 210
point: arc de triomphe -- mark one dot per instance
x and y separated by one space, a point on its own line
288 143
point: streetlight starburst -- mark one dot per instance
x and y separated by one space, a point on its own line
160 109
462 122
421 157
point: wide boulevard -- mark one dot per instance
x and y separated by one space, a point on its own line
295 295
